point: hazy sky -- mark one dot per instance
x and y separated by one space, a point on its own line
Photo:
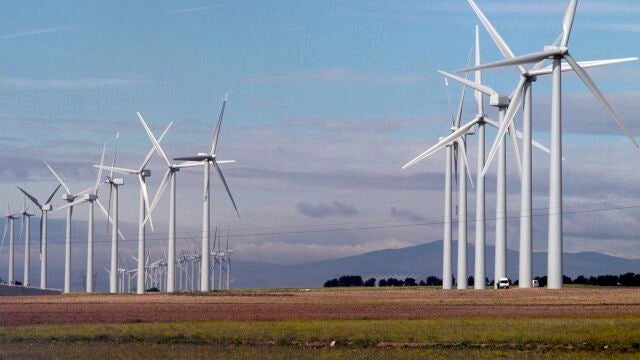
328 99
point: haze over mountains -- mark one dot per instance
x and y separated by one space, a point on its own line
415 261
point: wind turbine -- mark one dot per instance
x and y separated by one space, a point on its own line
206 160
501 102
455 146
10 217
44 210
25 229
114 186
557 52
228 253
144 205
68 197
90 196
169 178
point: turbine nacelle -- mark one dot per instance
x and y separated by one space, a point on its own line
561 50
90 197
145 173
68 197
498 100
115 181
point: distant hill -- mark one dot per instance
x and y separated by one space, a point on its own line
416 261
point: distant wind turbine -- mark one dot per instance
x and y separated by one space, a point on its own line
44 210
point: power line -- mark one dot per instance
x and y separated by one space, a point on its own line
362 228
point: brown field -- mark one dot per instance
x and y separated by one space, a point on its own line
416 303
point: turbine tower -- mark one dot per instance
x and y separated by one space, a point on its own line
68 197
169 178
90 196
455 147
143 208
556 52
206 160
25 228
44 210
10 217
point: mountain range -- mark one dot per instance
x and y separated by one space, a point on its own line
416 261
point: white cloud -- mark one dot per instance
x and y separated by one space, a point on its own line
34 32
281 252
47 84
337 74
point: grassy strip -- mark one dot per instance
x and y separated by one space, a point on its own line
577 333
182 351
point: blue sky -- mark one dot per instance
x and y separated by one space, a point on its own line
327 100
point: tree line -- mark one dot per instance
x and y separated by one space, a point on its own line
357 281
628 279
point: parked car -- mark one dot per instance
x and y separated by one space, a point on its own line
503 283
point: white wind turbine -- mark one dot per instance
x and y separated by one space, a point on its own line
556 52
144 205
499 101
228 253
169 177
9 219
455 146
89 195
206 160
44 210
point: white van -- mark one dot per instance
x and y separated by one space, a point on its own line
503 283
535 283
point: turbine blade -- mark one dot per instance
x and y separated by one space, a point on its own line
4 235
189 164
509 116
524 59
584 64
192 158
31 197
145 196
147 158
463 154
108 216
109 206
519 135
216 133
117 170
442 143
224 182
567 23
21 229
115 153
446 85
596 92
86 191
478 74
474 85
70 204
155 142
158 195
99 177
514 141
497 39
66 188
52 194
460 106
